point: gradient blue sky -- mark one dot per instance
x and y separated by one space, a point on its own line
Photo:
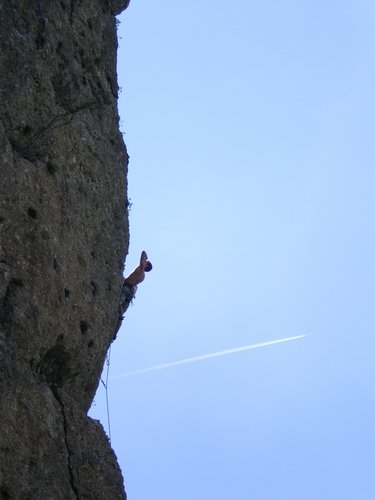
250 129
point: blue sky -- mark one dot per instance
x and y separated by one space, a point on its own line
250 131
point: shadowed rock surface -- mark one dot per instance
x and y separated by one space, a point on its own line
63 241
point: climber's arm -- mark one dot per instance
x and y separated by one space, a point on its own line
143 259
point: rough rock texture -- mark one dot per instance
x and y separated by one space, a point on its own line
63 240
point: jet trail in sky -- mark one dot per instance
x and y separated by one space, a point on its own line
206 356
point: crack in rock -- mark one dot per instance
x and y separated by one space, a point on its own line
65 425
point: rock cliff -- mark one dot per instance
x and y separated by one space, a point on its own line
63 241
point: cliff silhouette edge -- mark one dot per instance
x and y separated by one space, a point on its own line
63 242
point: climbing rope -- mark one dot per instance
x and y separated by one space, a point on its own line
107 362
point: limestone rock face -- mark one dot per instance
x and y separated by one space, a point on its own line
63 241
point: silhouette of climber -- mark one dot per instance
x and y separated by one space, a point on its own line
129 286
138 275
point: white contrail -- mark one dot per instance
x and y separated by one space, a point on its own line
206 356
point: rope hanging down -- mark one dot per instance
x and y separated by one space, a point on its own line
107 362
128 290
